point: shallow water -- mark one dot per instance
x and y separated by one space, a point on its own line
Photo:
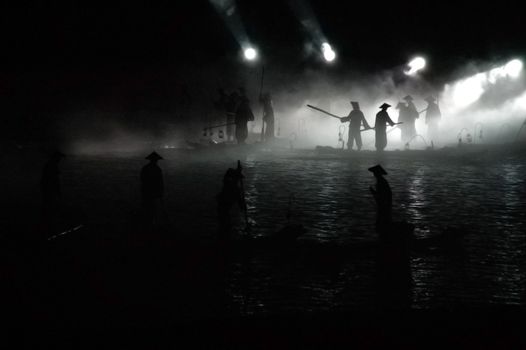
328 194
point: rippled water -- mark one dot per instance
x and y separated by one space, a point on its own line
484 197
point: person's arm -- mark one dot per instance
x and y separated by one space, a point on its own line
365 124
388 118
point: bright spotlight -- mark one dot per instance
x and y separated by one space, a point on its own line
250 54
513 68
328 52
415 65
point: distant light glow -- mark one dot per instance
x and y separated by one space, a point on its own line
513 68
250 54
328 52
469 90
416 64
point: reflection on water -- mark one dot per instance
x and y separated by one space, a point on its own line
485 199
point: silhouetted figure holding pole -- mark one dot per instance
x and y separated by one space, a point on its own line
355 119
408 115
51 192
383 197
230 195
268 116
152 188
433 116
231 107
382 119
243 116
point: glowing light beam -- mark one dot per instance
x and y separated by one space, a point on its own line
250 53
416 64
328 53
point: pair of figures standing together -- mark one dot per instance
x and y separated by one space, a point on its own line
356 119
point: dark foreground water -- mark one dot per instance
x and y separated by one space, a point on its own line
179 273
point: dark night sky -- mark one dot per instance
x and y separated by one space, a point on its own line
52 54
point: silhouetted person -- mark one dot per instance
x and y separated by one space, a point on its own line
383 197
408 115
243 116
152 188
51 192
268 116
433 116
221 102
355 119
231 107
230 195
382 119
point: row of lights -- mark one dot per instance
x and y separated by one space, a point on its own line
329 55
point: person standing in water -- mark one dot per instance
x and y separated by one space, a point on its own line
152 189
384 199
268 116
51 192
382 119
433 116
355 119
230 195
410 117
243 116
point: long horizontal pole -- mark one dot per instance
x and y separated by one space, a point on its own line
218 126
324 111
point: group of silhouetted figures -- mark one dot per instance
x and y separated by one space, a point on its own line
406 122
393 270
152 193
238 112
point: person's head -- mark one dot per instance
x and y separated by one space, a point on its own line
408 98
232 176
377 170
384 106
430 99
153 157
355 105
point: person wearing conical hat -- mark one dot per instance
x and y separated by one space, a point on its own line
383 196
382 119
410 117
230 195
268 116
433 116
51 192
152 188
243 116
355 119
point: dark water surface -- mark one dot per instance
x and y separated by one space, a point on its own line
482 197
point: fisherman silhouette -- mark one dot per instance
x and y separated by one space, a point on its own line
383 197
152 188
393 272
355 119
268 116
433 116
408 115
230 194
231 107
382 118
51 192
243 116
